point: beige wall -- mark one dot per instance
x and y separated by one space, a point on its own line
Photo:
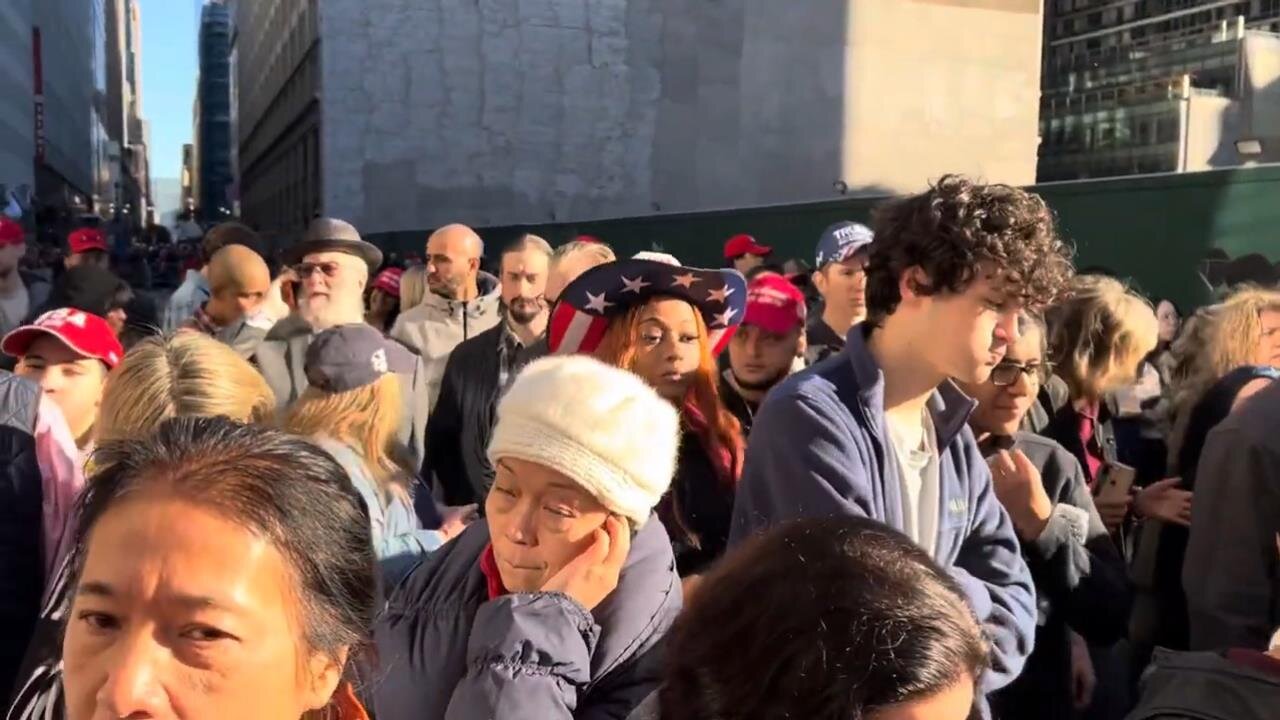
937 86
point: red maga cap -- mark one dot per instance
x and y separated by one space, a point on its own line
85 333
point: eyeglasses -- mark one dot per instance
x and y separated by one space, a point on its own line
304 270
1007 373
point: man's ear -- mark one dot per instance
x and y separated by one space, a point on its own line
820 282
913 283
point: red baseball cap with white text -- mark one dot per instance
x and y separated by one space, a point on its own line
774 304
85 333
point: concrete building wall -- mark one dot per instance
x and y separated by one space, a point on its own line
503 111
17 112
937 86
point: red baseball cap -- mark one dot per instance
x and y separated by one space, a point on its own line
85 333
86 239
388 281
740 245
10 232
774 304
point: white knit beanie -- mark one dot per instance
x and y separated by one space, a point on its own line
601 426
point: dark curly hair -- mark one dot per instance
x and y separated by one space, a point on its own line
955 226
822 619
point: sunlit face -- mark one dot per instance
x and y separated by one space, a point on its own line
450 265
180 613
1169 321
233 303
332 293
70 380
843 285
1001 408
668 350
980 323
524 284
953 703
759 358
1269 340
747 262
539 519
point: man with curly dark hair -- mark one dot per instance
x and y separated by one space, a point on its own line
879 430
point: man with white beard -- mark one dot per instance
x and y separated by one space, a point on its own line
331 266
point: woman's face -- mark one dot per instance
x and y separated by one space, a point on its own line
1167 317
1269 339
1001 407
72 381
539 519
669 350
180 613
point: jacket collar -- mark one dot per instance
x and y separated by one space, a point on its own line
633 616
486 302
949 407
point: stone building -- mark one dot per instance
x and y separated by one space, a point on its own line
405 114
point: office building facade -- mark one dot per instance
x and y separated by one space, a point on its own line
213 178
1158 86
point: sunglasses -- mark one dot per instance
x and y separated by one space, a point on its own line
1007 373
304 270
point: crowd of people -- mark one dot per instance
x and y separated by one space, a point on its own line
937 473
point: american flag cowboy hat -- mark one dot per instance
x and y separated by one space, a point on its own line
586 306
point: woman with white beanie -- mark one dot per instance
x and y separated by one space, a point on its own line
555 605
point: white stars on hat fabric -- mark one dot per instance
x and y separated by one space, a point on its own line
597 303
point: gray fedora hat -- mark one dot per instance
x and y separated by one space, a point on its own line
333 235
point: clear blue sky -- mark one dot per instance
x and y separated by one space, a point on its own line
168 80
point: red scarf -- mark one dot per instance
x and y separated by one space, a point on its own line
492 578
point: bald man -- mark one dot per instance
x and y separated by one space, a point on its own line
462 301
238 284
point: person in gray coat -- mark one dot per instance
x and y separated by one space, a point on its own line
555 607
1232 570
332 266
1082 591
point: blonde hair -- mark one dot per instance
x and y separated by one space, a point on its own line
366 418
1099 335
413 287
598 252
186 373
1226 338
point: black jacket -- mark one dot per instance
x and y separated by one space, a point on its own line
1080 580
456 465
21 501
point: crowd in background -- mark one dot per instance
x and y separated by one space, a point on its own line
935 473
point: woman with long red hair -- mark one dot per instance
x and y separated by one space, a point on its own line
666 324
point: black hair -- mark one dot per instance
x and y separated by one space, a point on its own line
276 485
761 269
954 227
827 619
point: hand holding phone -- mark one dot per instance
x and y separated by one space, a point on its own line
590 577
1113 497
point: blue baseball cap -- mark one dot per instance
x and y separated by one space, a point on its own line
347 357
840 241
